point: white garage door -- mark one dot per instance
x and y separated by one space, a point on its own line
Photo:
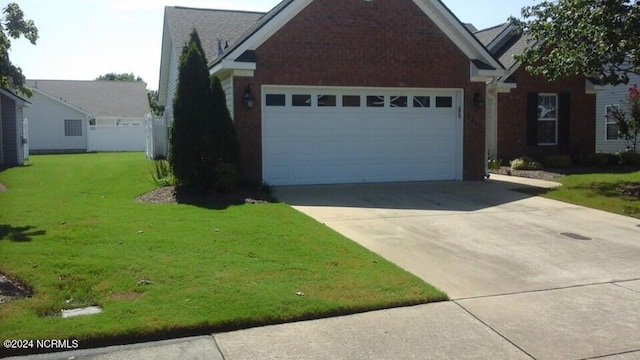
351 135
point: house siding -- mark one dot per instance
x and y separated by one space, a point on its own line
9 132
227 87
611 95
46 126
512 118
360 44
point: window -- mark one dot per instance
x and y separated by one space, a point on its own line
399 101
612 131
421 101
326 100
73 128
444 102
375 101
547 119
301 100
275 100
351 100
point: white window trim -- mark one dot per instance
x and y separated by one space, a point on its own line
608 122
555 120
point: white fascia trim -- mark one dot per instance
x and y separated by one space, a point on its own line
19 100
591 88
73 107
479 75
455 31
238 68
268 29
507 31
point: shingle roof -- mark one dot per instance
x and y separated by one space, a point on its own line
486 36
211 24
100 98
515 46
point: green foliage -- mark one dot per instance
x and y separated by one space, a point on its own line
156 110
599 39
13 25
226 177
494 164
227 146
557 162
598 160
118 77
525 163
191 133
162 174
629 158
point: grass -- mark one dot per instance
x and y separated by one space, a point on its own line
70 229
599 191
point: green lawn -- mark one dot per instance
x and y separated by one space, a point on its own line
70 228
605 191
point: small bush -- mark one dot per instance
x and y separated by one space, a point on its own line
226 177
161 174
557 162
629 158
525 163
494 164
598 160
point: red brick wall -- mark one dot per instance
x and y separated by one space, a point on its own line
389 43
512 118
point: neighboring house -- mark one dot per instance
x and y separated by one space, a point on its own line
12 136
81 116
610 97
528 115
340 91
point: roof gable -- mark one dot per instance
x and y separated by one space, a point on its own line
273 21
100 98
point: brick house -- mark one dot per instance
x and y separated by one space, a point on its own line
528 115
345 91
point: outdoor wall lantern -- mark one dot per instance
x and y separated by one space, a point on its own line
478 101
249 99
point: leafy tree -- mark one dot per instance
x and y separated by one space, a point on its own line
629 122
118 77
188 138
596 38
13 23
156 109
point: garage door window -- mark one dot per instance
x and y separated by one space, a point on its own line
375 101
351 101
399 101
421 101
276 100
444 102
326 100
301 100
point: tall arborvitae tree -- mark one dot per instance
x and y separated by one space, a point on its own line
191 112
227 146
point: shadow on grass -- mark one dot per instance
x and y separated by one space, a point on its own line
19 234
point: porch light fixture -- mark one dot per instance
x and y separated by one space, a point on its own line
249 99
478 101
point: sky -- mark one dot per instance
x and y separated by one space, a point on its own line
83 39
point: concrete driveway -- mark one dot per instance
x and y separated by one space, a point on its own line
554 279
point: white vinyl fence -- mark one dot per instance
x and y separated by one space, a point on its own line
116 135
157 136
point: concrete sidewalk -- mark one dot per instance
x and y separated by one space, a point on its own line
522 286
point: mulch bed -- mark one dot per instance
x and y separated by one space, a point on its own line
11 290
532 174
172 195
630 190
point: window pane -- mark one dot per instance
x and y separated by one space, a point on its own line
351 100
444 101
375 101
326 100
73 128
301 100
399 101
421 101
275 100
612 132
547 107
546 132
